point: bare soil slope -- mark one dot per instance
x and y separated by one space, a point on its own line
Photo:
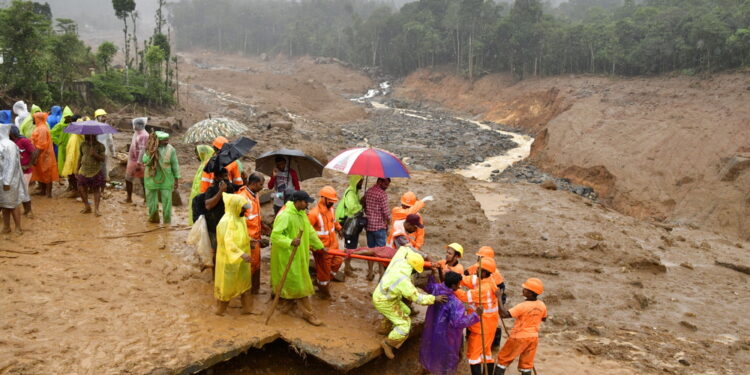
672 149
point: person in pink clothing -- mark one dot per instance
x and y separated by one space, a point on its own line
135 169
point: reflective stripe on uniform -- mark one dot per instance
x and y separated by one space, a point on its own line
386 291
207 180
400 331
322 232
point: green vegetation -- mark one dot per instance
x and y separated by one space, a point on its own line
46 64
621 37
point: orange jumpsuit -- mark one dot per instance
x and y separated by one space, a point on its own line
45 169
524 337
323 219
207 179
253 221
496 276
490 318
399 214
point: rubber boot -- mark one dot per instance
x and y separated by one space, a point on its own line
255 288
499 370
388 345
324 290
307 312
221 307
526 372
247 303
490 368
476 369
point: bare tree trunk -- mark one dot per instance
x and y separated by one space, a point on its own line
127 50
133 18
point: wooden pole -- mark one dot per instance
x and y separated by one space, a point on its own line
283 279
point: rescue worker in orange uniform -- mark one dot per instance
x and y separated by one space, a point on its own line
255 227
489 253
410 205
233 168
524 337
453 253
323 219
476 354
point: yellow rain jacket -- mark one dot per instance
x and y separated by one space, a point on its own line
232 276
72 154
393 287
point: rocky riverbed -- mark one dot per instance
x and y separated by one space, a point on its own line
428 140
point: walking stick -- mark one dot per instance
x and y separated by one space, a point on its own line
283 279
481 321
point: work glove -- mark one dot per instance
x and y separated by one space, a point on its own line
428 198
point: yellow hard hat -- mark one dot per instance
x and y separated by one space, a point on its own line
416 261
459 249
100 112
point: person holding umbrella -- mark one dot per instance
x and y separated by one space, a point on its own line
90 174
162 176
281 178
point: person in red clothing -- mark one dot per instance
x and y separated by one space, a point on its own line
323 219
378 218
524 337
282 179
477 354
233 169
28 157
255 227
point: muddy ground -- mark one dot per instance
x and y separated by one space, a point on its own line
82 294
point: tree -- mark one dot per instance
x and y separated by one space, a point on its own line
123 9
23 42
104 55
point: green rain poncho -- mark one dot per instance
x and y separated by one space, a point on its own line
286 227
27 126
232 274
349 204
205 152
60 138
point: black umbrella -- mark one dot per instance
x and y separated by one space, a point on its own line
305 165
230 152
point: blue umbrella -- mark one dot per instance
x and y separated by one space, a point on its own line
90 128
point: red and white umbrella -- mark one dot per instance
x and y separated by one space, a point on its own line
372 162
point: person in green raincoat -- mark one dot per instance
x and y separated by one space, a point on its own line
60 139
27 126
348 212
204 153
292 228
232 273
161 178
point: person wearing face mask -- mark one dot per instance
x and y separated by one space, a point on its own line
323 219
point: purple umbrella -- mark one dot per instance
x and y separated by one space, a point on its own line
90 128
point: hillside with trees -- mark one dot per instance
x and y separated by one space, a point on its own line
44 61
526 37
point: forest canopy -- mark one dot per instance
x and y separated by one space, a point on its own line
525 37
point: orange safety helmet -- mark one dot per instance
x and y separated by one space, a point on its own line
487 252
409 199
219 142
535 285
489 265
328 192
